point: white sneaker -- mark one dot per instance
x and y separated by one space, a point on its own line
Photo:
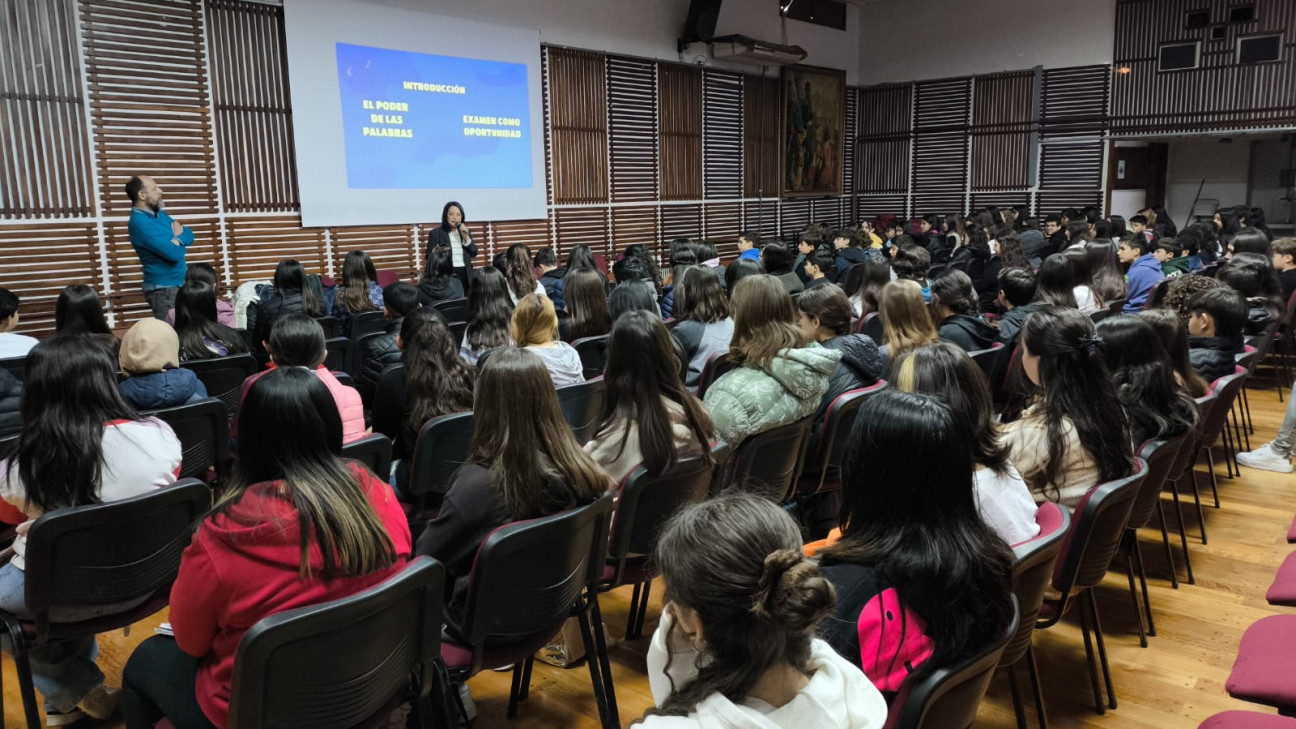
465 697
1265 457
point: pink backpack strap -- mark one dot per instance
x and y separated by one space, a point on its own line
893 640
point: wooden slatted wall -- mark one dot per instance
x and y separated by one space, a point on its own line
195 93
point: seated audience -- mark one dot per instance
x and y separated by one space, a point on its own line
644 263
648 418
80 444
1284 263
824 316
779 262
906 321
709 259
1216 318
1181 290
1144 271
433 380
12 344
632 295
748 250
535 327
297 340
1167 252
524 463
1087 300
204 273
736 645
779 378
1157 406
490 311
546 261
913 263
519 275
1172 331
296 527
78 312
1105 276
1249 240
1017 299
1076 435
360 290
954 306
381 352
587 312
848 248
1055 281
438 281
1002 498
921 581
10 410
198 325
819 268
150 357
1256 282
288 295
703 325
739 270
682 257
864 282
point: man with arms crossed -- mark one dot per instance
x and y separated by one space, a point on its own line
160 243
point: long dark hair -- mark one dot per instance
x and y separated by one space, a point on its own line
78 311
290 431
290 276
1105 277
445 215
1075 385
580 256
1055 281
440 266
909 511
865 281
437 380
642 372
489 310
946 371
195 321
736 561
586 304
1011 253
69 393
517 270
640 252
358 273
521 437
1155 404
700 297
1173 333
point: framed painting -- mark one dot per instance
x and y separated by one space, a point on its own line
814 101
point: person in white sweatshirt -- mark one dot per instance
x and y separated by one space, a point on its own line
735 648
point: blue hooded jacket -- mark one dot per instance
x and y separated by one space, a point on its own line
165 389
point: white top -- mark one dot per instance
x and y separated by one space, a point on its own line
138 457
1086 300
1005 504
456 250
539 289
838 696
16 345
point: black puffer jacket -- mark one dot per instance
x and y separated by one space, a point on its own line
10 399
1214 357
968 332
272 305
860 366
380 353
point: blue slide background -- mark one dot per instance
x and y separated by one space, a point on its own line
439 155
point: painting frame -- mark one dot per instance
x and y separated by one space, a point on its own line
812 131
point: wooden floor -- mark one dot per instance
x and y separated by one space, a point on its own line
1176 682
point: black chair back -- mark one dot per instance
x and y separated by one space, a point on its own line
717 365
15 365
581 405
1215 418
593 354
1116 307
223 377
453 309
203 431
527 575
872 326
355 357
337 354
1097 525
1033 574
839 418
111 553
329 324
948 698
1161 456
367 322
990 361
442 447
648 501
769 463
342 663
1099 315
374 451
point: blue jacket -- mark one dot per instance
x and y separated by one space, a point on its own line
752 253
165 389
1143 274
150 236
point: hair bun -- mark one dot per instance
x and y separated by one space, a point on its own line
792 592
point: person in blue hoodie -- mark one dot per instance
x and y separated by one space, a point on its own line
160 243
150 357
1144 271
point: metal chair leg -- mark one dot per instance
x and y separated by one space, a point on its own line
1033 669
630 632
526 678
23 663
1210 462
643 608
1099 707
1102 648
1018 710
1183 532
605 661
1138 609
1228 449
1165 540
515 690
595 670
1147 602
1201 518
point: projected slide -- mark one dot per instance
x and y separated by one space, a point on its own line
418 121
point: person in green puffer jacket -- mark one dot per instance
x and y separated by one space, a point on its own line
781 376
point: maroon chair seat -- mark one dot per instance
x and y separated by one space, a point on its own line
1262 672
1283 589
1247 720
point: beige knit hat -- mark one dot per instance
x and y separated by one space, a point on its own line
149 346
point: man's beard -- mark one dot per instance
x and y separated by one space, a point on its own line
156 207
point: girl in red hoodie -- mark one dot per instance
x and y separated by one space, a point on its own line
259 552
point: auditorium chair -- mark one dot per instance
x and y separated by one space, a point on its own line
1247 720
15 366
768 463
442 447
1161 457
452 309
593 354
223 377
329 324
717 365
123 552
645 504
203 431
581 404
1262 671
344 663
527 579
367 322
374 451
